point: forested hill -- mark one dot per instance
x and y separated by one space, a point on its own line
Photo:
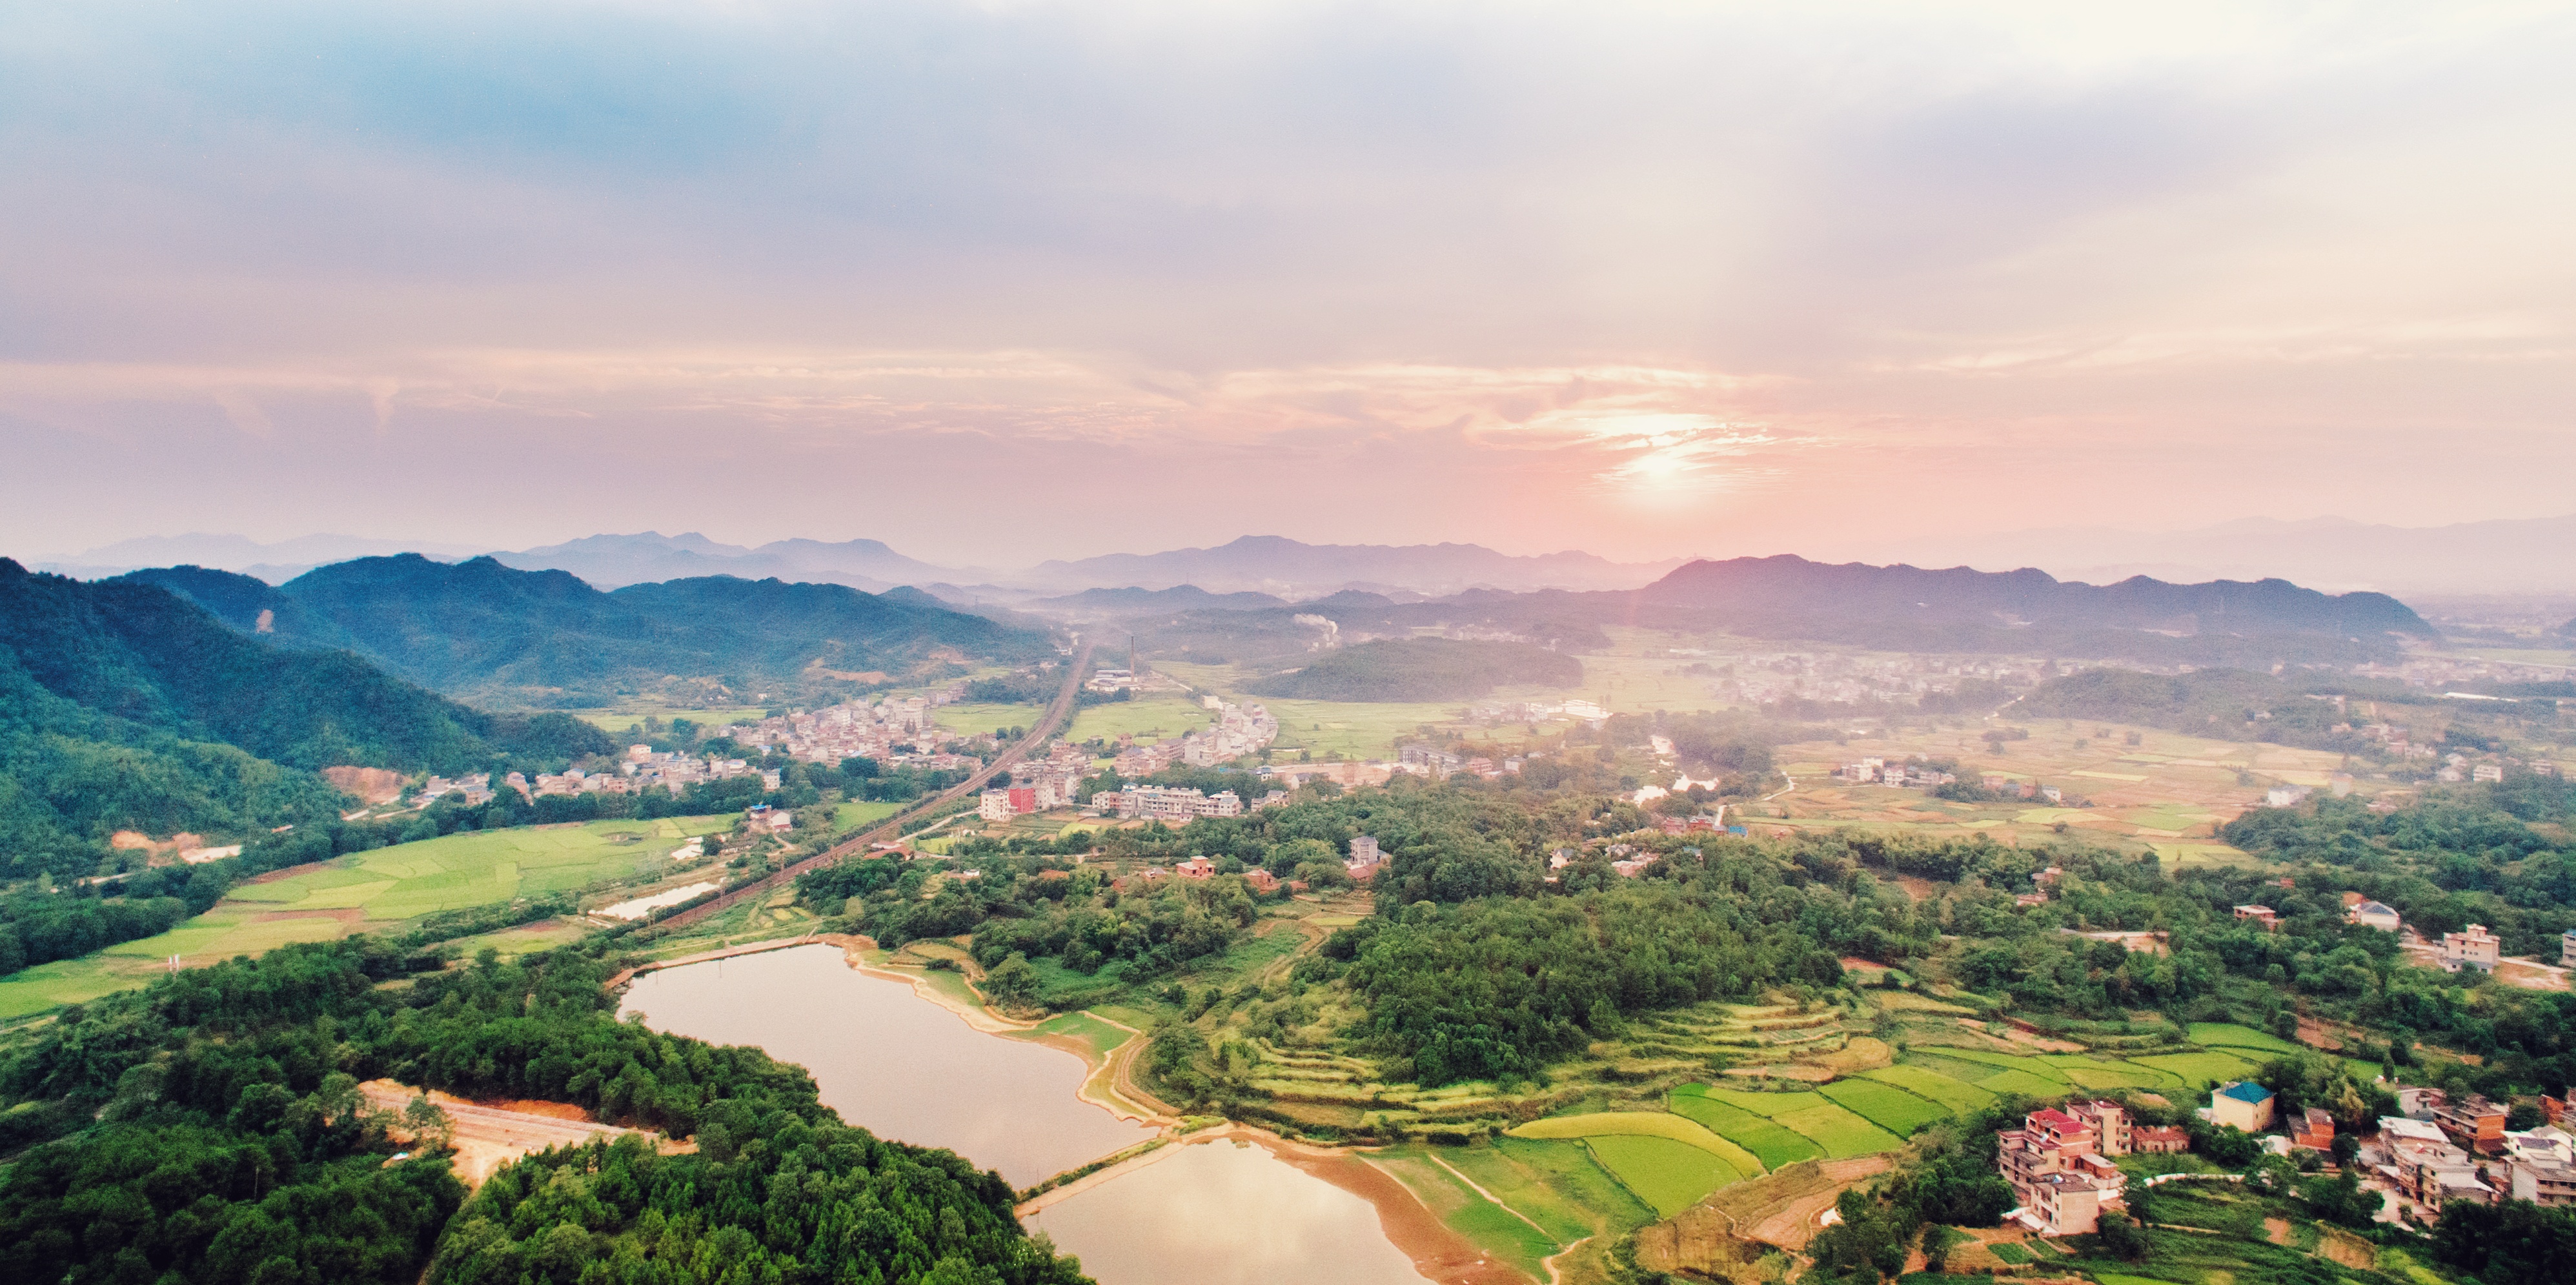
125 706
216 1133
503 636
140 654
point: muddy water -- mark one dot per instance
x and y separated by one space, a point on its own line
1223 1213
891 1061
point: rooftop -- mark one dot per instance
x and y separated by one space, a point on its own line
2246 1091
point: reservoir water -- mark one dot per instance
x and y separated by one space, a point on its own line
891 1061
1210 1213
1223 1213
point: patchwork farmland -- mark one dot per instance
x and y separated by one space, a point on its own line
1704 1099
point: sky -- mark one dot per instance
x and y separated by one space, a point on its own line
1008 281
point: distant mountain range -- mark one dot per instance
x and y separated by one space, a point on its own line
541 639
1284 568
2503 557
1785 591
1898 608
2506 557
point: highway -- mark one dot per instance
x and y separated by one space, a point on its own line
1057 714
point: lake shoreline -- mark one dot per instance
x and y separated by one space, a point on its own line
1436 1251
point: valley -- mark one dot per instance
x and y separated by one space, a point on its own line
1646 967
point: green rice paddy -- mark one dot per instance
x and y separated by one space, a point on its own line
1671 1176
1957 1095
2230 1035
1770 1143
1840 1132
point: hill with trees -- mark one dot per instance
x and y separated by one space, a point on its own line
545 639
124 706
1421 669
210 1128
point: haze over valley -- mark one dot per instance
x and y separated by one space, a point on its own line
1034 644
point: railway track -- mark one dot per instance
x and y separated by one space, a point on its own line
1048 725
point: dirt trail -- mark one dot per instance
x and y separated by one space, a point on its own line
489 1135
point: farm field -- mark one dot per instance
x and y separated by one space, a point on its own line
1885 1105
2168 788
1770 1143
2199 1070
1957 1095
1649 1124
1148 719
977 719
365 892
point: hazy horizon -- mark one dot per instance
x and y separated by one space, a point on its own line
999 283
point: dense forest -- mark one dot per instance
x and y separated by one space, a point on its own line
1421 669
215 1133
123 706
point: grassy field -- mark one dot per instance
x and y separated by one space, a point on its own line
1885 1105
1671 1176
852 816
409 880
1520 1241
976 719
365 892
616 719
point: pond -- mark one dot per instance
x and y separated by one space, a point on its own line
891 1061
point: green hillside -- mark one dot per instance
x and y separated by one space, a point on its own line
546 639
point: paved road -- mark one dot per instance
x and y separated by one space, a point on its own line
892 827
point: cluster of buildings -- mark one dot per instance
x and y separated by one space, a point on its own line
2059 1164
1175 804
1439 764
1903 773
1237 731
2440 1151
892 730
1488 713
1760 678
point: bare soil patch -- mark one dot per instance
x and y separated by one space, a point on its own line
2338 1245
371 785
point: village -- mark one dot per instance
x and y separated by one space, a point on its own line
2062 1162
